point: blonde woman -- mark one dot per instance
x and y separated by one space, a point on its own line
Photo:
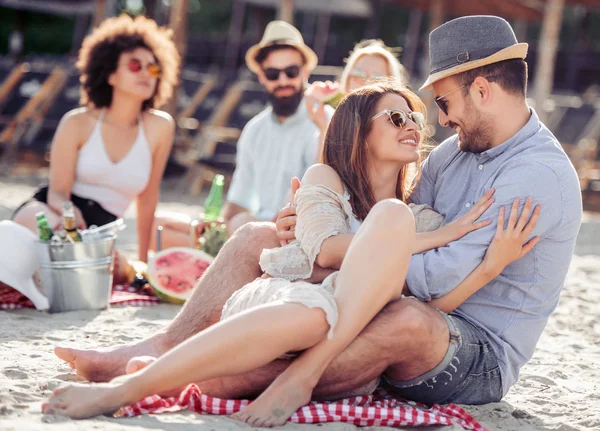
369 60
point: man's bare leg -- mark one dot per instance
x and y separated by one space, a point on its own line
235 266
405 340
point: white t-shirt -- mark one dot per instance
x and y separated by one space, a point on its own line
269 155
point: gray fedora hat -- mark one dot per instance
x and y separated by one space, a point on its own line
469 42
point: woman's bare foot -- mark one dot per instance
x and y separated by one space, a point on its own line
277 403
84 401
104 365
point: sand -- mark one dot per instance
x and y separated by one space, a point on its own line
559 389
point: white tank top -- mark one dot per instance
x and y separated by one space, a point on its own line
112 185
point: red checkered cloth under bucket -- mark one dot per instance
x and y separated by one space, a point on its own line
380 409
11 299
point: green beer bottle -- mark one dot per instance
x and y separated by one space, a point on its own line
214 201
44 229
69 222
215 232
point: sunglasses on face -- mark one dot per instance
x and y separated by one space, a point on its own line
441 101
359 74
400 118
135 65
272 73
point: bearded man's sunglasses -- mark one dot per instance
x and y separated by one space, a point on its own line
272 73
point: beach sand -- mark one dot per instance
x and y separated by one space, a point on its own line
559 389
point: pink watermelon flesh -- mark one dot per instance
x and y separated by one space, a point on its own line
173 273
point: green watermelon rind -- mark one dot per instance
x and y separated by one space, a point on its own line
335 99
169 296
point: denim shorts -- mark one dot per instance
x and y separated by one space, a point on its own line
468 374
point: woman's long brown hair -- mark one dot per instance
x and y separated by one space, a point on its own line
345 147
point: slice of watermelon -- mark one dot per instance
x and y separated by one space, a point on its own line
173 272
328 93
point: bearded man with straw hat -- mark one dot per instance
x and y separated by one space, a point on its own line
281 142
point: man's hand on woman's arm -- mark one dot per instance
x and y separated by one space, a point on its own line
333 249
286 217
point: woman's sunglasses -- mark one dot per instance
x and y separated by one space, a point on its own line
272 73
135 65
399 118
359 74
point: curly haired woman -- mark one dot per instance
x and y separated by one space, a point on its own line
114 149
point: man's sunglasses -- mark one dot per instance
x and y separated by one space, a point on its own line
272 74
441 101
399 118
135 65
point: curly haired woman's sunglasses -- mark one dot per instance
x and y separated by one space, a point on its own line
399 118
135 65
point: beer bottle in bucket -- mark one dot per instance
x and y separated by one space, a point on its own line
44 229
69 222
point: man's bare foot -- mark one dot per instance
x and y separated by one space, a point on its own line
277 403
104 365
139 362
84 401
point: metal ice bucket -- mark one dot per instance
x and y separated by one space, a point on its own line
77 276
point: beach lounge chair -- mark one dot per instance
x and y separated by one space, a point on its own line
32 112
194 90
203 144
10 82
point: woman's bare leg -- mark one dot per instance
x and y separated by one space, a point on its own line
176 230
239 344
26 216
372 275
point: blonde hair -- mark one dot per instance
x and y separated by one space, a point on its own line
375 47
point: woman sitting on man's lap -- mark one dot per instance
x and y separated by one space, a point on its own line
372 140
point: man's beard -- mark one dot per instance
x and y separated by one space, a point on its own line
286 106
477 140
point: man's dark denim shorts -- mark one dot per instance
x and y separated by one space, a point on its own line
468 374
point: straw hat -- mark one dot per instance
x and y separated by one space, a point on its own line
470 42
19 261
281 33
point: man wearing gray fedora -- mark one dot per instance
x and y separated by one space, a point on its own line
472 355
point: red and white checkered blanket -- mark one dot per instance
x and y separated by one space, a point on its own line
11 299
380 409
